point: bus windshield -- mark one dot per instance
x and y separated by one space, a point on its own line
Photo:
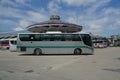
86 39
13 42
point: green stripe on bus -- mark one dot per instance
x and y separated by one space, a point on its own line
56 47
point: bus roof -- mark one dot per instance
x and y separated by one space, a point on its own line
8 39
53 33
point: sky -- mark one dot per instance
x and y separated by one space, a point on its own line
100 17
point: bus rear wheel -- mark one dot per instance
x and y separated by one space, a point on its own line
37 51
77 51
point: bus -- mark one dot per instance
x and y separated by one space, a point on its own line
100 43
13 44
8 44
55 43
4 44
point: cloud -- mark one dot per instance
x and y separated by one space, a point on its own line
33 17
15 3
11 12
8 3
73 18
7 22
78 2
54 7
90 23
18 29
36 16
96 5
22 25
113 18
115 26
111 11
16 15
26 3
23 1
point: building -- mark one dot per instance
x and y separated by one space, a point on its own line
54 24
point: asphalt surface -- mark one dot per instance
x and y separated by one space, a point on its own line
103 65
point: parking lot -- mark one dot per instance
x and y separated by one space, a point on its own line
103 65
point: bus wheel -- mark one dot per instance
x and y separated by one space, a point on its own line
77 51
37 51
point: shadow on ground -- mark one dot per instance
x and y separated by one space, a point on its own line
54 55
113 70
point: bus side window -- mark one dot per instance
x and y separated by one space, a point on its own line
31 38
68 37
24 37
5 42
51 37
45 37
62 37
57 37
38 37
76 37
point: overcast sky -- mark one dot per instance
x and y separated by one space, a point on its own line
100 17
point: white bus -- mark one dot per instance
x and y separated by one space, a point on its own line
55 43
100 43
13 44
8 44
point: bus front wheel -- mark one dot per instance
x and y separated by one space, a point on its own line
77 51
37 51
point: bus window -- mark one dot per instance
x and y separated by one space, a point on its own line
31 37
68 37
5 42
45 37
24 37
76 37
57 37
37 37
13 42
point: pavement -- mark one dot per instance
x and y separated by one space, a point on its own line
103 65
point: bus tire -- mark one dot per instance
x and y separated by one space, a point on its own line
77 51
37 51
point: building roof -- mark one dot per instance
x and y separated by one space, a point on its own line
54 24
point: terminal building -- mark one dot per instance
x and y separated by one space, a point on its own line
54 24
